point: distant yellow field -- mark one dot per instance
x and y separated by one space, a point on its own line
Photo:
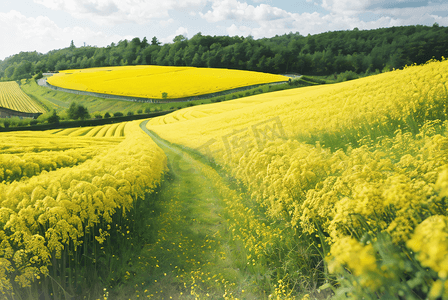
153 81
12 97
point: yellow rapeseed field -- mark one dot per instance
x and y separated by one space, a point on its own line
62 197
153 81
349 170
343 184
12 97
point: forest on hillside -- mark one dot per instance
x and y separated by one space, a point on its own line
360 51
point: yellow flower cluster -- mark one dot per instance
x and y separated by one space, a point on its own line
12 97
359 258
348 159
152 81
50 215
430 242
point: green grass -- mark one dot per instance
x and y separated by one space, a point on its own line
194 253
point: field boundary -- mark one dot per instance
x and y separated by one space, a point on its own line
7 113
43 82
86 123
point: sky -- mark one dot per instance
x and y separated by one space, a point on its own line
44 25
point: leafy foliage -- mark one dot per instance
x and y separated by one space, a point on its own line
54 118
77 111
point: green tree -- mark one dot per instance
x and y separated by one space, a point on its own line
39 75
77 111
71 112
226 58
61 65
39 67
189 55
179 38
155 41
197 61
22 70
84 62
144 43
132 50
10 71
162 55
54 118
82 113
175 54
99 58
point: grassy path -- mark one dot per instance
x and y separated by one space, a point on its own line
192 255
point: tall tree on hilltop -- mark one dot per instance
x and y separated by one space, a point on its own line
155 41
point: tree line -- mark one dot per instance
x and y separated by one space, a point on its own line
359 51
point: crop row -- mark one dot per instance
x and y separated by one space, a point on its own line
108 131
55 225
27 154
12 97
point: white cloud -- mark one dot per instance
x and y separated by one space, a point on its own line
269 20
121 11
265 21
346 7
235 10
394 8
239 31
414 12
233 17
165 23
344 14
312 23
42 34
303 23
182 30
